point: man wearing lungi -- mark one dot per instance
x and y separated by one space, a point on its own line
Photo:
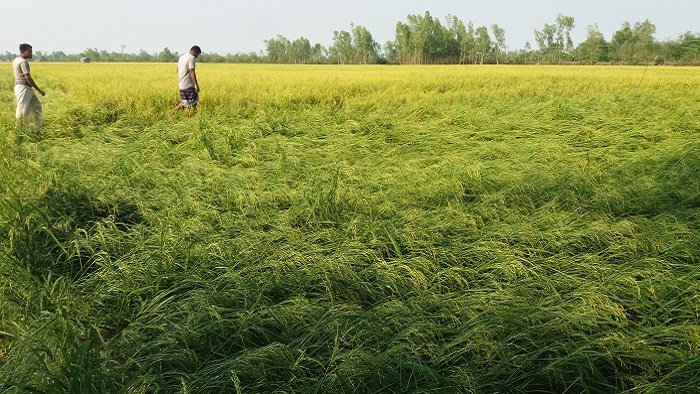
28 105
189 88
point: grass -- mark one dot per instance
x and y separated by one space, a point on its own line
352 229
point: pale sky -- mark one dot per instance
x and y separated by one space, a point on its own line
224 27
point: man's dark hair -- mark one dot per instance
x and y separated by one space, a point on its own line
24 47
196 48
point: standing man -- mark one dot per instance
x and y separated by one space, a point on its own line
189 88
28 105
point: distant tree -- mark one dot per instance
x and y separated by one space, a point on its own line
484 45
166 56
470 43
622 44
689 48
500 41
366 50
404 47
93 54
439 46
300 51
564 43
555 40
277 49
594 48
56 56
342 49
142 56
250 57
643 37
458 32
418 39
545 41
526 54
391 52
318 54
208 57
423 40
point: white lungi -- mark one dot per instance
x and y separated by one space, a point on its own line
28 106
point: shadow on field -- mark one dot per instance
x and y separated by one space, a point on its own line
656 186
66 229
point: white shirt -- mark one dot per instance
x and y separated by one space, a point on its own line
20 66
184 65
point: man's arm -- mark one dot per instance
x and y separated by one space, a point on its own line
193 76
30 82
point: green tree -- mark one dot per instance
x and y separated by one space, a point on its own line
142 56
418 39
500 46
545 41
689 48
622 44
564 43
458 32
471 43
300 51
484 45
166 56
93 54
342 49
403 45
366 50
643 37
318 54
593 49
277 49
555 40
424 40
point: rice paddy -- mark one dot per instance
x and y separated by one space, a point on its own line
374 229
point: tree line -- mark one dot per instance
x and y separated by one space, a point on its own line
424 39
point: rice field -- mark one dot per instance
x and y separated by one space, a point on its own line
358 229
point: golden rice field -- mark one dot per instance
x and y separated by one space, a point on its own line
359 229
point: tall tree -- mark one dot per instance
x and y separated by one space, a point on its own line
166 56
484 45
458 32
499 35
555 40
318 54
415 23
366 50
300 51
545 39
565 45
404 43
277 49
471 43
592 50
689 48
622 44
643 33
342 49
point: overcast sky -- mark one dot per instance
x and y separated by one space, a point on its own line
224 27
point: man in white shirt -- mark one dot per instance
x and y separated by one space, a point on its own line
28 106
189 88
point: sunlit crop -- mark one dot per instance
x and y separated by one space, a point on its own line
352 229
